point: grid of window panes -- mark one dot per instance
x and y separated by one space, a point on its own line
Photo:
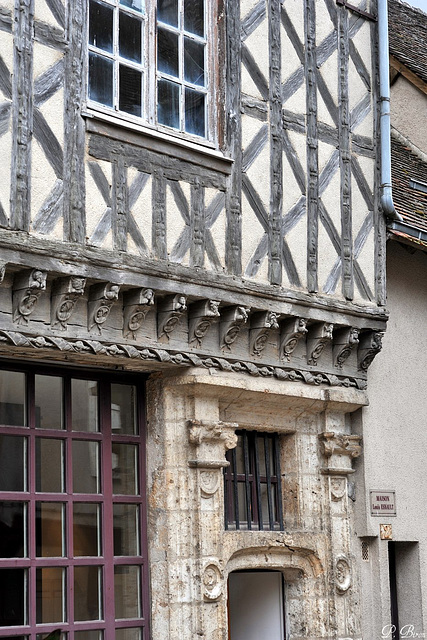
72 521
252 488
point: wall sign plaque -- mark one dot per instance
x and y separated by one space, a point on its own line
383 503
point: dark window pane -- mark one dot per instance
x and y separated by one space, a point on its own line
130 37
92 634
194 62
49 465
84 405
48 399
101 26
125 469
87 593
12 398
126 529
130 90
12 467
194 21
100 79
123 409
195 112
12 530
127 591
136 5
50 528
167 11
50 594
86 529
13 589
130 633
86 467
168 103
167 52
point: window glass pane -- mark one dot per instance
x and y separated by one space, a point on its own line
125 469
167 52
126 529
84 405
194 112
259 442
100 79
13 597
44 636
50 594
87 593
48 399
194 16
130 37
136 5
85 467
50 528
13 527
167 11
130 90
12 398
127 591
101 26
86 529
123 409
168 104
194 62
13 463
133 633
92 634
49 465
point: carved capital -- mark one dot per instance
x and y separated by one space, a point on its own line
339 450
318 337
232 319
27 288
344 342
370 344
292 331
261 325
212 440
65 293
136 304
202 315
170 310
101 298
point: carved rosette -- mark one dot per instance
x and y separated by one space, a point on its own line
101 299
212 581
318 337
292 332
261 325
27 288
65 293
369 345
136 304
202 315
170 311
342 574
231 322
344 343
339 449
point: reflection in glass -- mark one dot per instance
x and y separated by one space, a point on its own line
167 12
87 593
49 465
130 37
48 401
85 467
12 398
130 90
50 594
126 529
194 62
13 528
167 52
133 633
84 405
50 527
12 463
127 591
136 5
168 103
13 597
123 409
195 112
86 529
125 469
100 79
194 17
101 26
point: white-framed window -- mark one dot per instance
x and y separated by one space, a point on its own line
148 61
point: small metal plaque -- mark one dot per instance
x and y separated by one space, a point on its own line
383 503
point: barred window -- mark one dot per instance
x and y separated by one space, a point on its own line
253 496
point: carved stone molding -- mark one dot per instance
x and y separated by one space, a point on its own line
65 293
342 574
344 342
232 319
27 288
292 331
339 450
201 316
102 296
170 310
318 337
136 304
261 325
212 581
370 344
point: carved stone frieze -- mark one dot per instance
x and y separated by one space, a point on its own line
339 450
27 288
342 574
344 342
261 325
201 316
170 311
293 330
102 296
232 319
212 581
65 293
370 343
136 304
318 337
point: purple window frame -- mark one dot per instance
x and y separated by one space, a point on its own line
106 498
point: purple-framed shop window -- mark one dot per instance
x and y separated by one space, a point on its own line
73 550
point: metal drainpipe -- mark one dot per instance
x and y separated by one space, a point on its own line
386 193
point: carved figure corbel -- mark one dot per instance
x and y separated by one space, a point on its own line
340 449
319 335
101 298
261 325
136 304
202 315
370 343
27 288
3 266
292 331
232 320
170 310
65 293
344 342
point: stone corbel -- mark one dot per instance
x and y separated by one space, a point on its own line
3 266
318 337
232 319
136 304
101 298
339 450
27 288
370 343
201 316
261 325
344 342
292 331
211 441
65 293
170 310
